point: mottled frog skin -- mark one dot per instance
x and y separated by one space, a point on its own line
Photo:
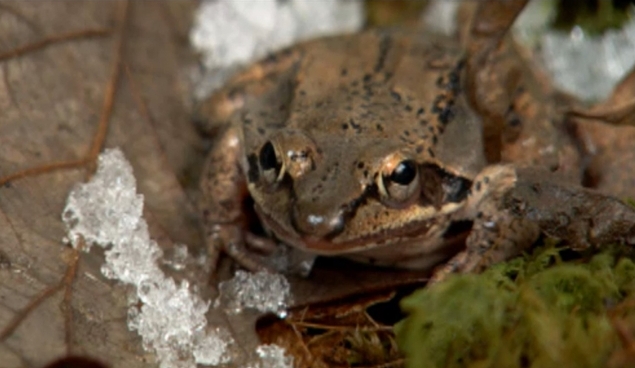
402 148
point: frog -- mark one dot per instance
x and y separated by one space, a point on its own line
399 147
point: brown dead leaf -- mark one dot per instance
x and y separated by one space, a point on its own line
77 77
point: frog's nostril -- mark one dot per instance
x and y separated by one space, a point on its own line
319 225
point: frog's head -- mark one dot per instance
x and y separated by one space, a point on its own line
337 192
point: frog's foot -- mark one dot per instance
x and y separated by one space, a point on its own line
496 234
492 240
233 240
517 205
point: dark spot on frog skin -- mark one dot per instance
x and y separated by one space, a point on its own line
261 131
419 149
421 111
387 76
454 78
436 104
355 126
354 83
423 122
396 96
435 139
302 92
477 186
486 180
446 115
367 78
408 108
430 152
247 121
282 107
318 104
440 83
379 127
360 165
344 72
384 47
345 126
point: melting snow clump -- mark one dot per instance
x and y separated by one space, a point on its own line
272 356
589 66
263 291
227 33
170 318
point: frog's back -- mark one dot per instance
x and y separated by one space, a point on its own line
380 88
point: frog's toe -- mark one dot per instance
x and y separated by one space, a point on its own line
246 259
493 239
454 265
231 239
260 243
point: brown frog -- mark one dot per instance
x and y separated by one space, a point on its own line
402 148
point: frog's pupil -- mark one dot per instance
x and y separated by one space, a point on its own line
268 158
404 173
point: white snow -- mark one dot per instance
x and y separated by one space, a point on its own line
589 67
262 291
106 212
272 356
229 33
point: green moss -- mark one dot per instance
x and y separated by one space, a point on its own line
530 312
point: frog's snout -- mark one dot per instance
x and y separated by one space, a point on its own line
318 224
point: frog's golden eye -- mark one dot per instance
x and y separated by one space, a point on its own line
399 183
270 163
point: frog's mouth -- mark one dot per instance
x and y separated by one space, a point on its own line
429 225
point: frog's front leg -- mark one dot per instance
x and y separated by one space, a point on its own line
497 234
224 191
512 207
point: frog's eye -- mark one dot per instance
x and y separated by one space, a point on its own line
270 163
401 183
